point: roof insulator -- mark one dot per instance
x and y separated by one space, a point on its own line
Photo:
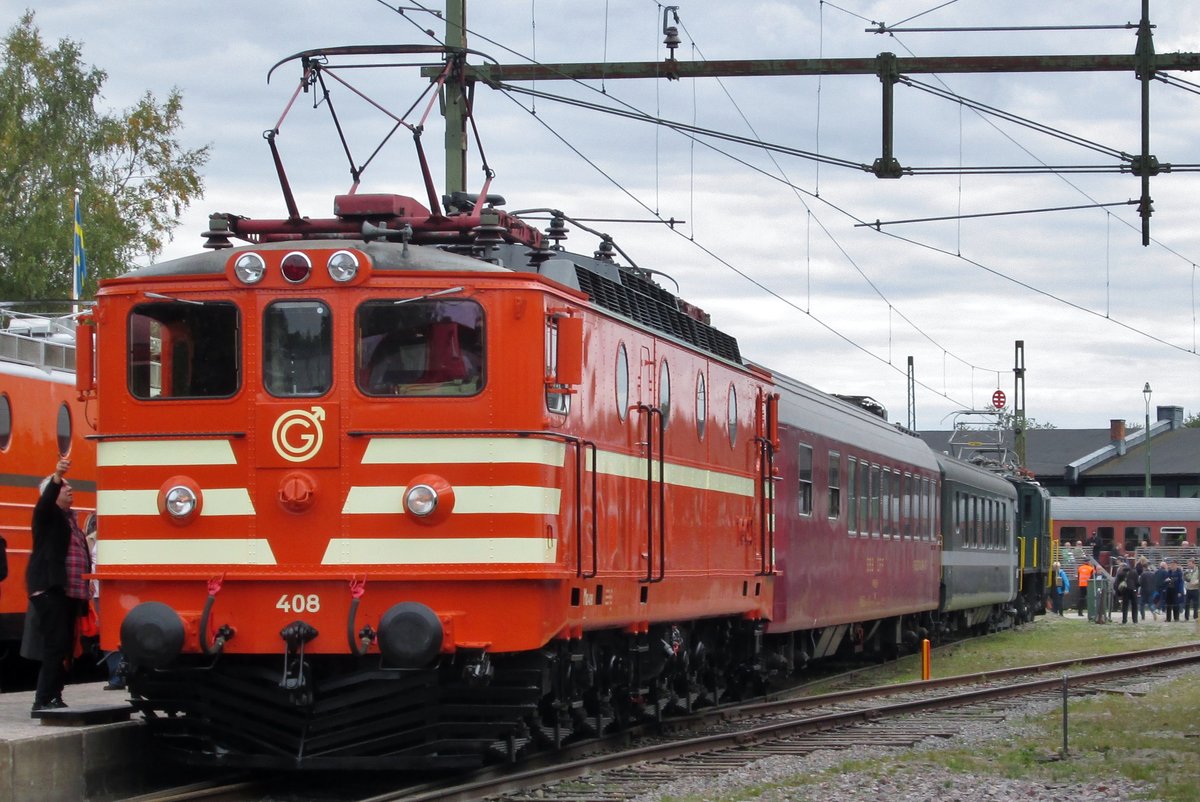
557 232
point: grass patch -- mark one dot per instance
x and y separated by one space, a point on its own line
1152 739
1047 639
1116 738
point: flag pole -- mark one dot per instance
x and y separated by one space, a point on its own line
79 257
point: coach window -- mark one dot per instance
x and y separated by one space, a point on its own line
959 511
897 504
297 349
922 489
184 350
864 498
804 469
622 382
5 422
885 504
851 497
835 484
1134 535
733 419
1171 535
420 347
906 511
701 405
876 519
982 506
933 504
989 523
973 520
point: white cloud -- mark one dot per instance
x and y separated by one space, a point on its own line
1082 368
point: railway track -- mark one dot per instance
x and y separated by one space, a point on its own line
715 742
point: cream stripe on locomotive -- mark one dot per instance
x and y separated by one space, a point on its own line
512 499
214 501
493 450
125 453
438 550
634 467
181 551
456 450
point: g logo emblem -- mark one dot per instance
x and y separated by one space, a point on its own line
297 435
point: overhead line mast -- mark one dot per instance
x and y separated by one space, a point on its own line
889 67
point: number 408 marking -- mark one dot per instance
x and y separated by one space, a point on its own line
299 603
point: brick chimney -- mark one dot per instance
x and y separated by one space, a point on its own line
1116 433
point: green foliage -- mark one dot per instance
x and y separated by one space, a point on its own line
1192 421
1008 420
135 177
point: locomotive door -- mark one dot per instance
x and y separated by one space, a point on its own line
297 427
653 397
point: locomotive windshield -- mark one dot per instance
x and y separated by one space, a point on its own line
420 347
297 348
183 350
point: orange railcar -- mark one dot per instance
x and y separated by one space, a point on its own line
349 467
40 418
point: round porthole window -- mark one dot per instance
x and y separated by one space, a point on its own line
5 422
64 429
732 416
664 392
622 382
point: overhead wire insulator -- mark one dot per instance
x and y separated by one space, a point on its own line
671 40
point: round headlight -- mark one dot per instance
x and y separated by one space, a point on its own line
296 267
180 501
342 266
250 268
421 500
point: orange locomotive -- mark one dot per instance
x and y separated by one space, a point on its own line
366 502
40 417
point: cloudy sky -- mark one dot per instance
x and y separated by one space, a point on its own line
771 245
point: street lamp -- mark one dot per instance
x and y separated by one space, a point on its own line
1146 392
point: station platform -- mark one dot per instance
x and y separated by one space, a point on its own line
63 757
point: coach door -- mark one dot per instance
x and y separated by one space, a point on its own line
767 435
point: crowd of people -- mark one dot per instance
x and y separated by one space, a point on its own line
1166 590
1148 582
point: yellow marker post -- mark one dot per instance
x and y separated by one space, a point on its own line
925 659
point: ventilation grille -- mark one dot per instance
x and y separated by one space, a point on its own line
651 305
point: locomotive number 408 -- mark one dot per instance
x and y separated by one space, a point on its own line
299 603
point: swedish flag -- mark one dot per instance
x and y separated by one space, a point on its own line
80 272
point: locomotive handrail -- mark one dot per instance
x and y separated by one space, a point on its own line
579 461
651 414
766 482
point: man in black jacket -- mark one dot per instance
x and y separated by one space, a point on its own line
51 578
